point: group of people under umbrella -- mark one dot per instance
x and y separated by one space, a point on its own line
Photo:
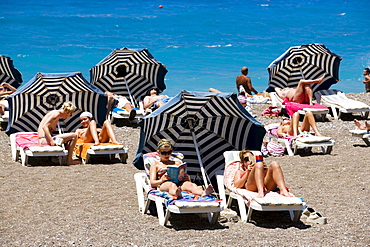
200 125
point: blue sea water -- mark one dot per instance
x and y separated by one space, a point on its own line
203 43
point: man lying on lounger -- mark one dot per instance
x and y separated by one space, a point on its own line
302 94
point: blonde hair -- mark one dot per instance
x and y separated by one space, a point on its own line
68 107
241 153
164 143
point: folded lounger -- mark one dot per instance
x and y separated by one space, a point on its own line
363 134
25 145
272 201
307 142
146 194
319 112
336 99
85 150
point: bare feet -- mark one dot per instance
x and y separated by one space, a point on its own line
367 125
208 191
360 125
285 193
319 80
261 194
116 143
74 162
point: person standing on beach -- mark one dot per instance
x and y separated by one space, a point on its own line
367 79
49 124
245 81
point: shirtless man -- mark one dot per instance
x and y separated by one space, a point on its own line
89 132
122 102
302 94
153 99
290 127
246 82
49 124
367 79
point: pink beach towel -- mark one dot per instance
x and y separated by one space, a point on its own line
292 107
26 140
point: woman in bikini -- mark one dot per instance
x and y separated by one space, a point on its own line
257 177
89 132
160 179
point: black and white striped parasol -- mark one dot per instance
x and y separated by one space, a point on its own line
304 62
202 126
128 72
8 73
46 92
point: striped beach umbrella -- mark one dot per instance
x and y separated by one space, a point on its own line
201 126
128 72
46 92
8 73
304 62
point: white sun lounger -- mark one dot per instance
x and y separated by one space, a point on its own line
363 134
35 151
110 150
143 187
125 114
277 203
336 99
325 143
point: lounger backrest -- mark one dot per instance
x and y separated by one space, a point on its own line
150 158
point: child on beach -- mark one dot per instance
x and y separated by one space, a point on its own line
159 178
256 176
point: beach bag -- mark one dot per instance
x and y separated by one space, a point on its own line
275 149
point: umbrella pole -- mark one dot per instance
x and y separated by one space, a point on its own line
198 154
129 93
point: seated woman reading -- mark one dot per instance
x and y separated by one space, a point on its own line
89 132
257 177
159 178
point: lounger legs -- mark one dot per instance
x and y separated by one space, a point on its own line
295 215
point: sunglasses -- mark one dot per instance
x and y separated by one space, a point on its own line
286 119
166 153
246 159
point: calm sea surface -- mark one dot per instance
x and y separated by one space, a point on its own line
203 43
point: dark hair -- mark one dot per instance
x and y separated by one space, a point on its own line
367 70
155 88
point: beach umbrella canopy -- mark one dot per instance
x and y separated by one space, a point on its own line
8 73
202 126
46 92
304 62
128 72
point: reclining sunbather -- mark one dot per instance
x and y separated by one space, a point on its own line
153 99
89 132
49 124
120 101
362 126
302 94
159 177
256 176
290 127
5 90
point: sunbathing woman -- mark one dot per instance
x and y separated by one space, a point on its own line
258 177
362 126
48 125
89 132
159 178
290 127
153 99
302 94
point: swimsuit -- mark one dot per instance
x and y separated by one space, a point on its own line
164 100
